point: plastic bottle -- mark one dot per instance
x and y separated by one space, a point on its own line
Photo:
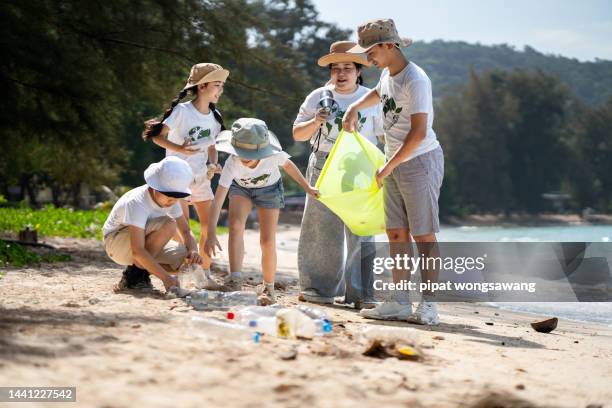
312 312
213 300
323 327
186 277
208 327
233 300
248 313
265 325
291 323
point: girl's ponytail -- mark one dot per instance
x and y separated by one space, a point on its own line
216 114
152 127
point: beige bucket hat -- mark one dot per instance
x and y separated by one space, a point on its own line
338 52
375 32
206 72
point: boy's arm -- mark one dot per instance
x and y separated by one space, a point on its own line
213 219
145 259
418 131
296 175
189 240
349 122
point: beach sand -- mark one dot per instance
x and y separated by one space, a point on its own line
62 325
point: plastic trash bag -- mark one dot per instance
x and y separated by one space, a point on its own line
348 186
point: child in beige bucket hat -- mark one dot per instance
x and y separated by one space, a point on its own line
414 169
250 177
188 131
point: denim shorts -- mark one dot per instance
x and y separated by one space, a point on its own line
265 197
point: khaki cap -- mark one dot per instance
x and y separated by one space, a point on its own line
338 52
376 32
206 72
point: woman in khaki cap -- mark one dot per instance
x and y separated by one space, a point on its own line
189 130
324 273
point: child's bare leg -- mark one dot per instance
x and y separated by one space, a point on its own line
157 240
239 209
268 221
202 208
185 206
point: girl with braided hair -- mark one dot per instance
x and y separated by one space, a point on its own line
188 130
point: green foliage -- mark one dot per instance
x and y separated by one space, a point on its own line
64 222
502 135
449 63
50 221
13 254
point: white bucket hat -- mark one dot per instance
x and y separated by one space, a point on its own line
171 176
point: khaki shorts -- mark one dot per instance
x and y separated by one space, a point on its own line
118 247
411 194
200 190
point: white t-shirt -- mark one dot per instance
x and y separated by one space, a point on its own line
370 119
265 174
136 207
402 95
188 123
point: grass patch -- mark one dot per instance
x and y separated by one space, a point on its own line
13 254
64 222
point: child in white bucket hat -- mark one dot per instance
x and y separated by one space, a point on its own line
139 229
251 176
188 130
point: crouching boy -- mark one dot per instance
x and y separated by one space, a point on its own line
138 232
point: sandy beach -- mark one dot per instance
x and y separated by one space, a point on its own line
62 325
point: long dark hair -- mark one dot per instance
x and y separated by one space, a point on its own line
154 127
359 77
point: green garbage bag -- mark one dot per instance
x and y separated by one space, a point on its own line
348 186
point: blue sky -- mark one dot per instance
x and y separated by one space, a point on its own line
576 29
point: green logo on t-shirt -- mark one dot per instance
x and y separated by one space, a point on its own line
338 115
255 181
390 107
198 133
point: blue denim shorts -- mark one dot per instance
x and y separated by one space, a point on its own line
265 197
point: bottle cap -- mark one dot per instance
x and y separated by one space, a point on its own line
231 316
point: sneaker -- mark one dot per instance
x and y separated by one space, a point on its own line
312 296
266 295
426 313
388 311
134 278
139 278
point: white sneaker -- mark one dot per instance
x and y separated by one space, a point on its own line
388 311
426 313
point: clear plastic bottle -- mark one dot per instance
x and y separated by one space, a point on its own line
213 300
248 313
312 312
208 327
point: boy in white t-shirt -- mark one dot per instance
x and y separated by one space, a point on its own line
139 229
414 169
251 176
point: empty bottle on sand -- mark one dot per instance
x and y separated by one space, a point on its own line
213 300
208 327
312 312
248 313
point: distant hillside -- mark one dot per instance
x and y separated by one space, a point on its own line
448 64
